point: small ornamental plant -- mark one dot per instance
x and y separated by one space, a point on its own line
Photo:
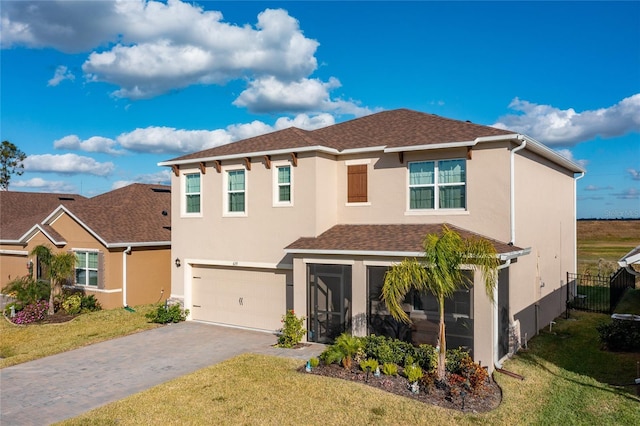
292 330
34 312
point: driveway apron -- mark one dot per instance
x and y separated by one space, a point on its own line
66 385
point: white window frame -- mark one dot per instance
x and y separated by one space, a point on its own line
436 185
184 193
76 252
276 185
225 192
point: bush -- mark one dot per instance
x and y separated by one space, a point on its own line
72 304
426 357
370 363
413 373
463 371
163 315
292 331
454 360
377 347
620 335
389 369
314 362
344 349
26 290
32 313
90 304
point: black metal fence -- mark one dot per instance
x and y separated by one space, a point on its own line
596 293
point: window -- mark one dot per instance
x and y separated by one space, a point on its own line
437 185
87 268
357 183
283 185
192 192
236 191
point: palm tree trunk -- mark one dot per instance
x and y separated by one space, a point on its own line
442 355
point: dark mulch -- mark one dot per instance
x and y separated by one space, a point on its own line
483 400
57 318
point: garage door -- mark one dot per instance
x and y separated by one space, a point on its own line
239 297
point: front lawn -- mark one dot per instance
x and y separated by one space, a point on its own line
564 372
25 343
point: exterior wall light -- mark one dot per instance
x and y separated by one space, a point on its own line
178 263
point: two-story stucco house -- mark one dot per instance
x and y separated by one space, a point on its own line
311 220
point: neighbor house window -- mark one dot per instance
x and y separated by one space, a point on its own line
192 192
236 188
87 268
437 185
357 183
282 187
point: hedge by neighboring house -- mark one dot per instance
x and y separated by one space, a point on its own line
122 240
312 220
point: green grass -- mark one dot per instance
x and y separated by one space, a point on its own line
565 374
25 343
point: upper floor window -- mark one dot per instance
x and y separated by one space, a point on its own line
192 193
282 186
357 183
236 191
437 184
87 268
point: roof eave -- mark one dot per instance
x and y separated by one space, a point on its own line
355 252
139 244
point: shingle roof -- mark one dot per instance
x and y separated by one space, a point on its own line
401 238
395 128
132 214
20 211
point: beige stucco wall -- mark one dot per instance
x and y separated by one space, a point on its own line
13 263
147 275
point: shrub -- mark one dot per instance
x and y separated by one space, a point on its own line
26 290
389 369
314 362
378 347
72 304
370 363
620 335
32 313
90 304
163 315
413 373
344 349
454 360
292 331
463 371
426 357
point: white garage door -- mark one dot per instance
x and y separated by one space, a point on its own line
239 297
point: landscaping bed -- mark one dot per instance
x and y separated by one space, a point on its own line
485 399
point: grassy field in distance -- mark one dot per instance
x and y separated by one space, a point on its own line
601 243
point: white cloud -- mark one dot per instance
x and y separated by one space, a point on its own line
61 74
554 126
566 153
303 121
597 188
56 186
629 194
67 164
161 178
148 48
93 144
635 174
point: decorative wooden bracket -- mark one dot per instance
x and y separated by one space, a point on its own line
294 159
203 168
267 161
469 156
176 170
247 162
401 157
218 165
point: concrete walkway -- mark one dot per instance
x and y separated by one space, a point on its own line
66 385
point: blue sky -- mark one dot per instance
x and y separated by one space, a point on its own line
97 93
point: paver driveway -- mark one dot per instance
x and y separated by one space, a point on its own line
68 384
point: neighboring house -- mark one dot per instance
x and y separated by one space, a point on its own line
629 260
311 220
122 240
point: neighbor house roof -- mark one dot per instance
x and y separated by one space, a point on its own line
389 131
631 258
386 240
137 214
20 211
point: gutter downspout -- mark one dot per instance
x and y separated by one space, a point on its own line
496 348
512 219
124 275
575 220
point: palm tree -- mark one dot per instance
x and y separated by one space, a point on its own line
57 268
440 274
